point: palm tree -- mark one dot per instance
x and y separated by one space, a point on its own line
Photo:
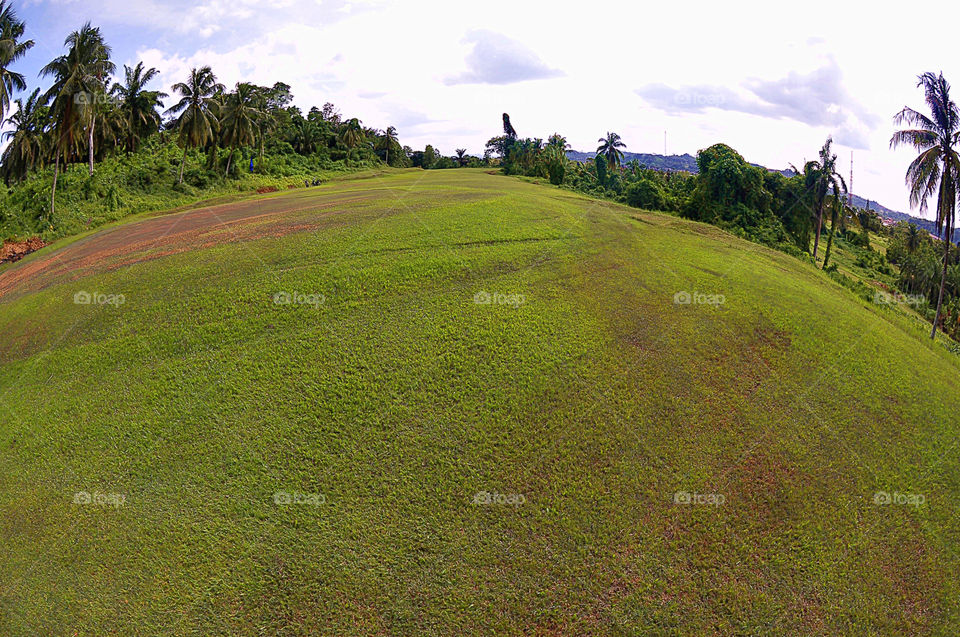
139 107
937 168
558 141
27 138
11 50
351 134
388 141
836 208
610 148
197 123
913 237
461 156
819 178
77 85
240 120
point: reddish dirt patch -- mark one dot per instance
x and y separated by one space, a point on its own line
16 250
266 189
174 233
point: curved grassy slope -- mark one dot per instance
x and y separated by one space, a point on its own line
389 406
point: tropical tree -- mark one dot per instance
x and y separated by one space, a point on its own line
351 134
913 237
936 170
387 141
819 178
138 106
241 116
461 156
77 85
559 142
197 122
27 138
12 48
610 148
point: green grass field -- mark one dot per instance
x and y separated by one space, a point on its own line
384 398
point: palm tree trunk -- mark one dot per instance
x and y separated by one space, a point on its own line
56 171
943 279
226 173
183 160
93 124
826 257
816 239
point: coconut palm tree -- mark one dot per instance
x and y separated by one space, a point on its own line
819 178
461 156
936 170
351 134
27 138
387 141
12 48
912 237
138 106
610 148
558 141
240 120
197 122
78 79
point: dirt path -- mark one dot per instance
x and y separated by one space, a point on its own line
155 237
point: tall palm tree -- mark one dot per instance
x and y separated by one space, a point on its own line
138 106
241 116
819 178
508 129
461 156
559 142
351 134
78 79
937 168
27 138
197 122
12 48
913 237
387 141
610 148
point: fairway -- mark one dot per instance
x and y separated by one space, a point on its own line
451 402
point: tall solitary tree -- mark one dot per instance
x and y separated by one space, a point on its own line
197 122
610 148
936 170
12 48
388 141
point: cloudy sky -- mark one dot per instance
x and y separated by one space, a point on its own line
771 81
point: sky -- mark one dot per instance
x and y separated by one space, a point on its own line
770 80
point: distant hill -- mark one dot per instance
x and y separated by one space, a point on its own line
688 163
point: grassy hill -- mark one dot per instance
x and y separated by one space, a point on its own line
451 402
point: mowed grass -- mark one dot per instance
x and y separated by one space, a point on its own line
394 402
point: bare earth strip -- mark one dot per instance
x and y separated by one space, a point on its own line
270 216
